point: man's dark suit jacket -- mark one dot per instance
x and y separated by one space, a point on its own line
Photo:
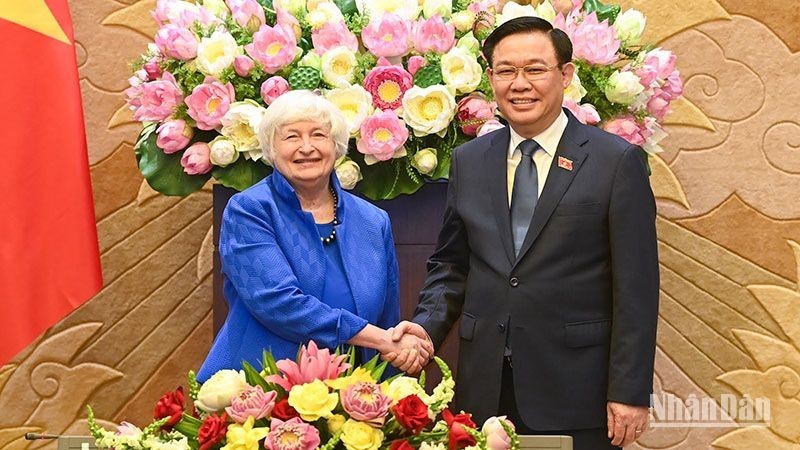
582 296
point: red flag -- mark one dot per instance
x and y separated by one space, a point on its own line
49 260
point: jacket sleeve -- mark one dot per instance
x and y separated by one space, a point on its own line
635 272
442 295
259 271
390 315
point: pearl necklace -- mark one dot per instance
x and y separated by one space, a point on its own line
332 237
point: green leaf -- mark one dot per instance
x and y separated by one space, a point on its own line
164 172
255 379
188 425
377 372
269 363
346 6
603 11
242 174
385 180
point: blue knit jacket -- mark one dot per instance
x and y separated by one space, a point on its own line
273 264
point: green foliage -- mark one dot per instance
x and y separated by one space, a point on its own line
595 79
428 75
241 174
386 180
603 11
164 172
304 78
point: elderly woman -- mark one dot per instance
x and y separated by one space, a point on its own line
302 259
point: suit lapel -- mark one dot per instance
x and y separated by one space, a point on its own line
497 169
558 180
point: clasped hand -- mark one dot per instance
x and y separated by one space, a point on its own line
409 348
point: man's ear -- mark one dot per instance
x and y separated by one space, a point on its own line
567 71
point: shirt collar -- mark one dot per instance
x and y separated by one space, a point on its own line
547 139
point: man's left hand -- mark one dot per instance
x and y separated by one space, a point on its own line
626 423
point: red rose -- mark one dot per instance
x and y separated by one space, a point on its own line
170 405
401 444
412 413
283 410
212 430
459 437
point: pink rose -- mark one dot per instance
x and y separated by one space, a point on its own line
253 401
210 101
247 13
627 128
294 434
594 42
415 63
332 35
473 110
274 47
387 84
387 35
173 135
197 159
585 113
154 101
364 401
242 65
273 88
489 126
152 69
382 134
433 35
176 42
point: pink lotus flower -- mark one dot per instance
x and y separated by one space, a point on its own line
176 42
196 159
658 65
314 364
627 128
293 434
433 35
415 63
247 13
387 84
472 111
210 101
496 436
387 35
673 85
273 88
182 14
594 42
658 104
242 65
482 6
154 101
274 47
289 22
585 113
173 135
332 35
382 134
489 126
364 401
252 402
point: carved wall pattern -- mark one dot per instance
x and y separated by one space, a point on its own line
728 233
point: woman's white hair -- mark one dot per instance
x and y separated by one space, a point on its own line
300 106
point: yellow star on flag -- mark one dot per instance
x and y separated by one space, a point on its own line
33 14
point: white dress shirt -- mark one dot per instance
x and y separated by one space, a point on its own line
543 157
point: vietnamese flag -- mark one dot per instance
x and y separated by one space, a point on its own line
49 260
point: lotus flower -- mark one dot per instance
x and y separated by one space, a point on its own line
314 364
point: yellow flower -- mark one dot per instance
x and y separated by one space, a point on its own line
312 400
360 374
429 110
402 387
338 66
335 423
244 436
360 436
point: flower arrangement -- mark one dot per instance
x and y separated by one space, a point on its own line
408 77
321 401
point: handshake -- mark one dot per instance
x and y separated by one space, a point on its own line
408 347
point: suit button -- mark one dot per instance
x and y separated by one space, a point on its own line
501 327
514 282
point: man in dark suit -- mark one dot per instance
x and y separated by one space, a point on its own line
548 255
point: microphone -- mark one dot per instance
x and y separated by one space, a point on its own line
39 436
